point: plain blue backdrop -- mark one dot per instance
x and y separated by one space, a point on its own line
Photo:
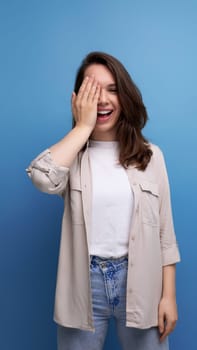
42 45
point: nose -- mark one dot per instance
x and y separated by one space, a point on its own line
103 96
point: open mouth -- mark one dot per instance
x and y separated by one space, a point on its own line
104 114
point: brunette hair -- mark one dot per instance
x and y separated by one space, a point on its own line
134 147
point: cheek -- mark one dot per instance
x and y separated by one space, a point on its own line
116 117
117 104
118 109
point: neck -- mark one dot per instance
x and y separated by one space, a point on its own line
103 136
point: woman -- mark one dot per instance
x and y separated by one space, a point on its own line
118 247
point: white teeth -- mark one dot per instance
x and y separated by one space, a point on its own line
104 112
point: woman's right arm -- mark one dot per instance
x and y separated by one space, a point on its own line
84 108
50 170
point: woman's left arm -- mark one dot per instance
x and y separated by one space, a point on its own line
168 316
167 311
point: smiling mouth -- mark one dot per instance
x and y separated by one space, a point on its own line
104 114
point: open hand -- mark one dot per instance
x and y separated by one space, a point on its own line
84 104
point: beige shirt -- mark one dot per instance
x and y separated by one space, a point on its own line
152 241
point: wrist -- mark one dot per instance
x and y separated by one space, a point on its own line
83 128
169 295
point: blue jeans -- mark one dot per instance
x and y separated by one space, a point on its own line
108 281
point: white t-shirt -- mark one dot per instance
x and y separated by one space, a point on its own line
112 201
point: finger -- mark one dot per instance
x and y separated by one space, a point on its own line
167 331
89 89
97 93
92 91
73 97
163 336
161 323
82 88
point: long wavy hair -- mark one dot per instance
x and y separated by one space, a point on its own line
134 147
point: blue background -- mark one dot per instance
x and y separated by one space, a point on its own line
42 45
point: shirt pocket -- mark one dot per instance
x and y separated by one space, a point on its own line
76 203
149 202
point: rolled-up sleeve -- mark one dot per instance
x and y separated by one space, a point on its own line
169 246
46 175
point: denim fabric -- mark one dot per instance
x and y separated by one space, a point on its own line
108 281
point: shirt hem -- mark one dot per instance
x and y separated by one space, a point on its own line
77 326
141 326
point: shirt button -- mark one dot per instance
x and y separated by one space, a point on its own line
133 238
